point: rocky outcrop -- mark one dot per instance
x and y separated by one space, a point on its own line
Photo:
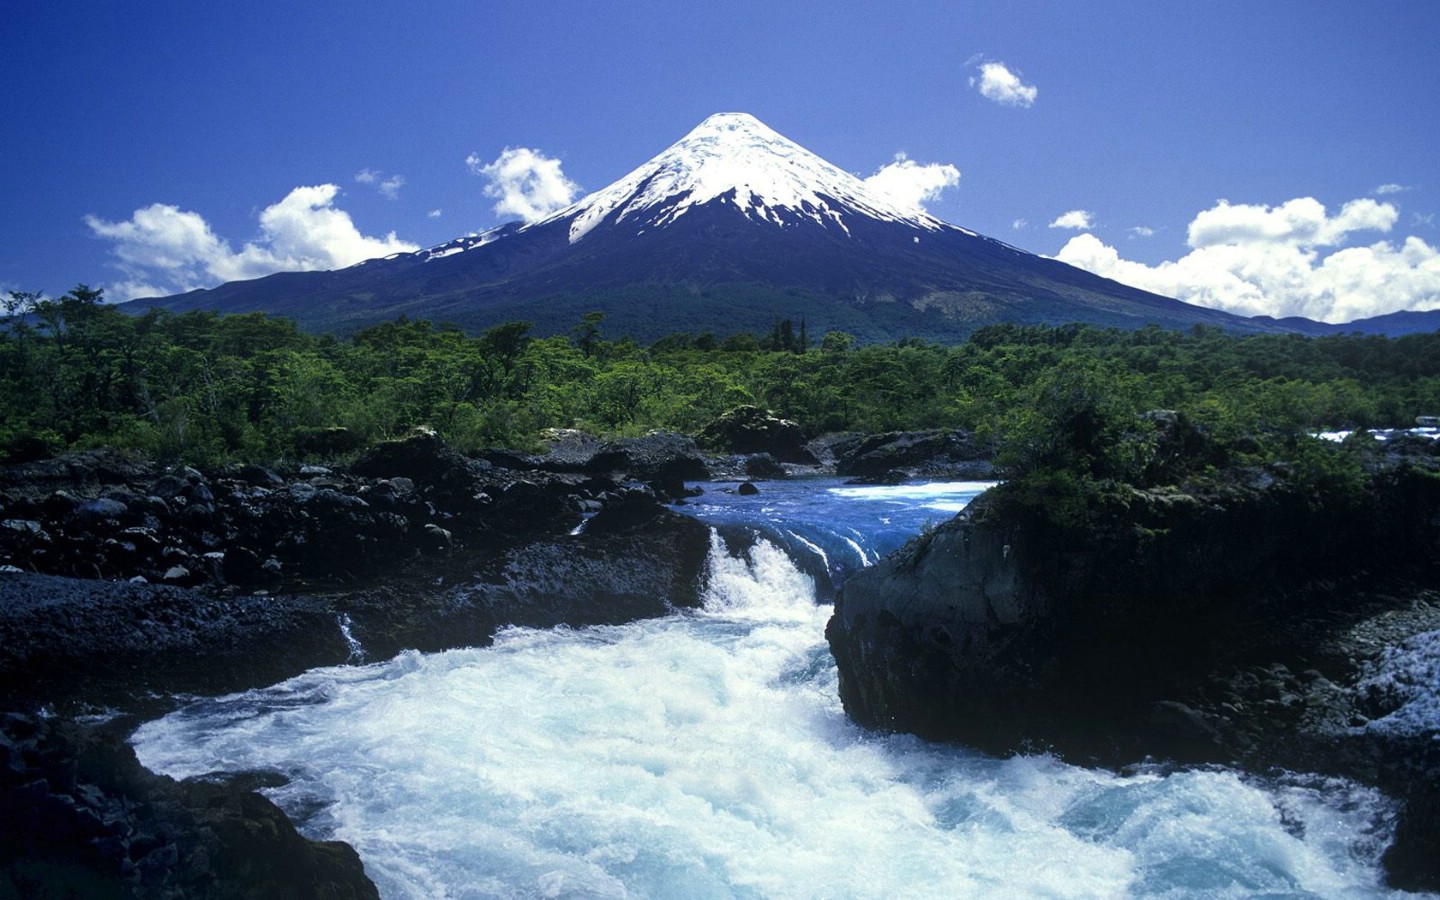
107 642
1228 618
82 818
749 429
663 460
899 455
635 559
216 582
106 516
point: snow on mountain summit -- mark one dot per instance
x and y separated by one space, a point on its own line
737 159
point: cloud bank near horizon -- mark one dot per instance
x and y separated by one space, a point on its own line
162 249
1285 260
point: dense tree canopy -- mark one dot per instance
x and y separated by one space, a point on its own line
206 388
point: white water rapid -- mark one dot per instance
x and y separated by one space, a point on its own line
706 755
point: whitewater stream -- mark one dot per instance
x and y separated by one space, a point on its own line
706 754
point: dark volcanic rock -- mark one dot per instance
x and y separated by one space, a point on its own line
82 818
427 461
749 429
763 465
1225 620
1410 860
71 517
662 460
65 639
634 559
931 454
105 641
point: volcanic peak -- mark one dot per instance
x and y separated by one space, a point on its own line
735 158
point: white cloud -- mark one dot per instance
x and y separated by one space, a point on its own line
526 182
388 187
163 249
1142 231
910 185
435 213
1390 189
1079 219
1019 224
1260 260
1301 222
1427 220
998 83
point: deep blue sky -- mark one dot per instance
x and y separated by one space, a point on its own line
1145 116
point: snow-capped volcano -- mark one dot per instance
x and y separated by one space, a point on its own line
730 229
735 158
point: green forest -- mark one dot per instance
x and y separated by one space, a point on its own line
207 389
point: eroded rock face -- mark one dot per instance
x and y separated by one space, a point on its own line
1228 620
64 638
934 640
634 560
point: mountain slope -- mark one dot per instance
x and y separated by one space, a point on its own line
729 229
1396 324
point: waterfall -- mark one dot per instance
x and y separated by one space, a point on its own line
705 754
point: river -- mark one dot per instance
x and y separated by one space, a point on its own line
706 754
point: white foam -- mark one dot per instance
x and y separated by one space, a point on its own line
1406 678
921 491
707 755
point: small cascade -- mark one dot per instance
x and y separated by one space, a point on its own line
357 650
830 530
756 581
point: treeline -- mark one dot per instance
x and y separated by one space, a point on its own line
205 388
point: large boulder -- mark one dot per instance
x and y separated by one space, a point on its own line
749 429
662 459
927 639
428 461
997 623
955 453
1228 618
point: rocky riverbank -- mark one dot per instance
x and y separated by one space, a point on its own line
1236 616
124 582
